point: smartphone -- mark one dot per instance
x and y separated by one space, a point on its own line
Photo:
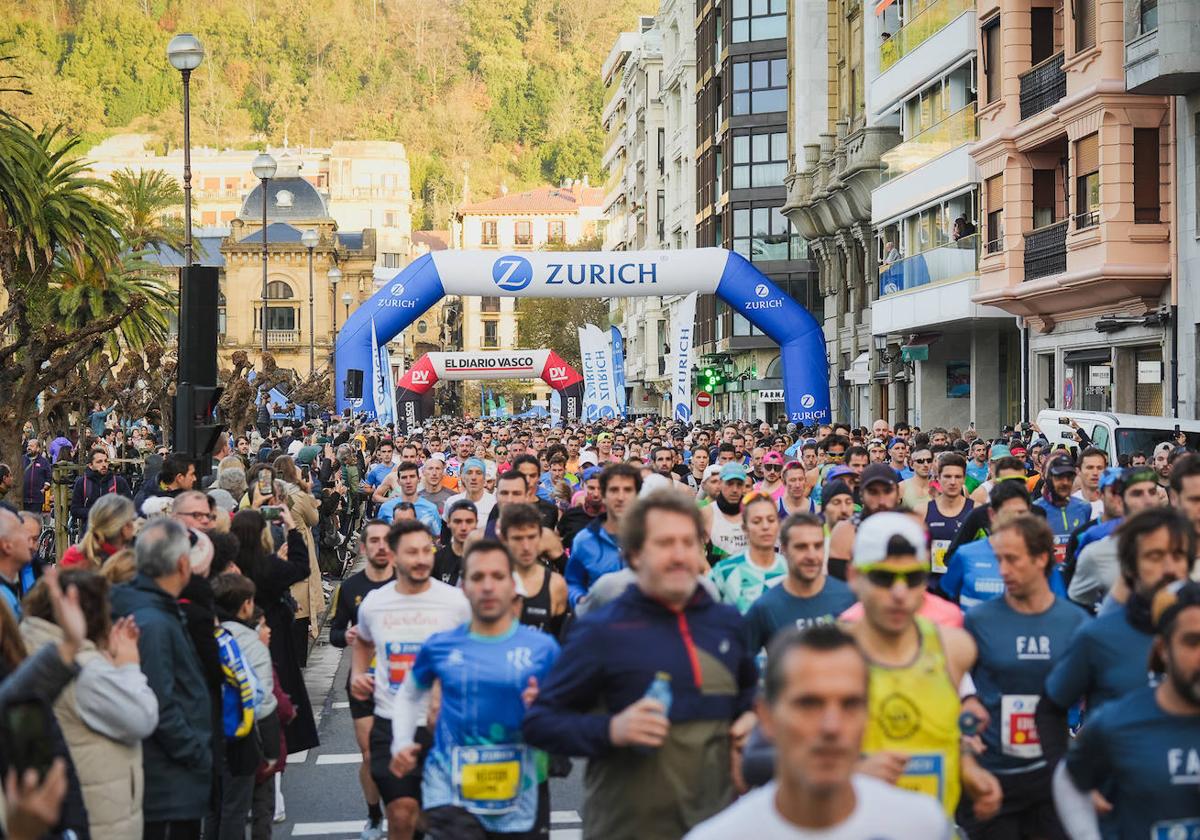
306 472
1065 421
269 512
25 737
266 482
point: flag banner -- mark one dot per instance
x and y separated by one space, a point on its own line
618 356
596 351
383 389
683 327
590 411
555 408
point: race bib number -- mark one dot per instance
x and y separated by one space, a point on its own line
1018 732
940 547
925 773
1186 829
1060 549
399 658
488 778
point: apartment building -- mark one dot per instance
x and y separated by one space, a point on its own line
942 357
1077 203
741 154
832 175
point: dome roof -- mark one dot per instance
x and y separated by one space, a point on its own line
288 198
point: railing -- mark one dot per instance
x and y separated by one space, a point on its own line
948 262
1089 218
1043 86
615 175
1046 251
278 338
953 131
926 23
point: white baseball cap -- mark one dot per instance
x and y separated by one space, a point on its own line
877 530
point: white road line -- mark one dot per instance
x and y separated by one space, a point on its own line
566 834
339 758
569 817
320 829
341 704
297 757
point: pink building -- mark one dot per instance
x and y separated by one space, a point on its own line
1076 204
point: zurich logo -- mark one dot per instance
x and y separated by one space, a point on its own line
512 273
397 289
761 290
807 401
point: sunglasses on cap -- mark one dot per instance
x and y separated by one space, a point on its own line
886 578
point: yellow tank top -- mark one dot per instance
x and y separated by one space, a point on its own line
914 710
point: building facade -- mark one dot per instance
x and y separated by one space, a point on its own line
741 154
1077 205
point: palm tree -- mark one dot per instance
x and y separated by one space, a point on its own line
143 199
84 293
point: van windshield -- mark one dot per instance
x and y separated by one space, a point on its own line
1131 440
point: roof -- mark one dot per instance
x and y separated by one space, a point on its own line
289 198
207 252
540 200
277 232
434 240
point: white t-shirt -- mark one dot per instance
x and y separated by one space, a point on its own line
882 812
398 625
1097 506
484 506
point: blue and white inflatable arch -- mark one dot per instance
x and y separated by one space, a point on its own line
590 274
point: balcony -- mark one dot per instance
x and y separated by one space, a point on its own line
1043 86
937 265
1046 251
1162 60
935 141
928 22
278 338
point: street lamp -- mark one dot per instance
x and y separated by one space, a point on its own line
309 240
185 53
347 300
263 168
335 276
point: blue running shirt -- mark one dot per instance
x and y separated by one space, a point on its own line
973 576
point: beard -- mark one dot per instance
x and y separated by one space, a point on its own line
1187 685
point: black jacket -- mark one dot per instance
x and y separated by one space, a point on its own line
91 486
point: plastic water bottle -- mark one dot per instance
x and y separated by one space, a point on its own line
660 690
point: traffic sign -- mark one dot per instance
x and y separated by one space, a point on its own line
703 399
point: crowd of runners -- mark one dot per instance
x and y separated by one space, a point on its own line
731 630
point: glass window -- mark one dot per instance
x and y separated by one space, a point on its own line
759 86
759 160
489 233
281 318
764 233
278 290
491 333
524 234
556 232
758 20
1087 181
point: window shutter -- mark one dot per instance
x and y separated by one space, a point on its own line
1087 155
1145 175
995 193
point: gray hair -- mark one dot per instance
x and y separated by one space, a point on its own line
234 481
159 547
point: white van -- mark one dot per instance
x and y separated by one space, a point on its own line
1116 434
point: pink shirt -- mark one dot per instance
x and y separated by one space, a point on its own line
938 610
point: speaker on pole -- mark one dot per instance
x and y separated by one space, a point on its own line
197 390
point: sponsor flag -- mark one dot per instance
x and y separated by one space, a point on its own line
383 387
589 377
555 408
683 327
618 360
596 351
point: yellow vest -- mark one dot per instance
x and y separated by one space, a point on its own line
914 710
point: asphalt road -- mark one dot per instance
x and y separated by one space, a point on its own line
320 787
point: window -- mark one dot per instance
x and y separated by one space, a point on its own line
220 313
393 260
556 231
758 20
491 333
662 150
991 58
524 233
281 318
489 304
763 233
489 233
1087 181
759 160
1085 24
719 184
1045 202
1041 24
995 213
278 290
759 86
1149 15
1145 176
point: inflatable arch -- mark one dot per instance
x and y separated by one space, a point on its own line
414 394
726 274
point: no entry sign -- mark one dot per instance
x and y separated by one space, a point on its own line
703 399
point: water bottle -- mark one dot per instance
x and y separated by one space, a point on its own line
660 690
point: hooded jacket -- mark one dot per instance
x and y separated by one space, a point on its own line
91 486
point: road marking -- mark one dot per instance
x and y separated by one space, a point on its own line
297 757
320 829
341 704
566 834
569 817
340 758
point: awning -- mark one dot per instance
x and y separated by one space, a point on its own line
859 372
1094 354
882 5
922 340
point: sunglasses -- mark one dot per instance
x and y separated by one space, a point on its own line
835 456
922 460
886 578
772 467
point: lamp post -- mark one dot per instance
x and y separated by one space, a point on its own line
335 276
185 54
263 168
309 240
346 301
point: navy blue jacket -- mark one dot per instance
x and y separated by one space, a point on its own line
38 473
612 655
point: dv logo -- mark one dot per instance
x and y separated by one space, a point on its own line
557 374
396 290
808 401
420 377
761 290
512 273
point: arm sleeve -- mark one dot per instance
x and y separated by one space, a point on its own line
950 584
343 612
1069 680
407 704
41 676
1053 733
555 721
77 500
1075 809
754 630
174 733
576 571
116 702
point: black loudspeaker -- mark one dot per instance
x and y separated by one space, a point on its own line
354 384
198 294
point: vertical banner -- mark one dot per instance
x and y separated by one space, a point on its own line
590 410
383 388
683 326
596 352
618 357
555 408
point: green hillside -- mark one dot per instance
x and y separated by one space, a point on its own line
509 87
